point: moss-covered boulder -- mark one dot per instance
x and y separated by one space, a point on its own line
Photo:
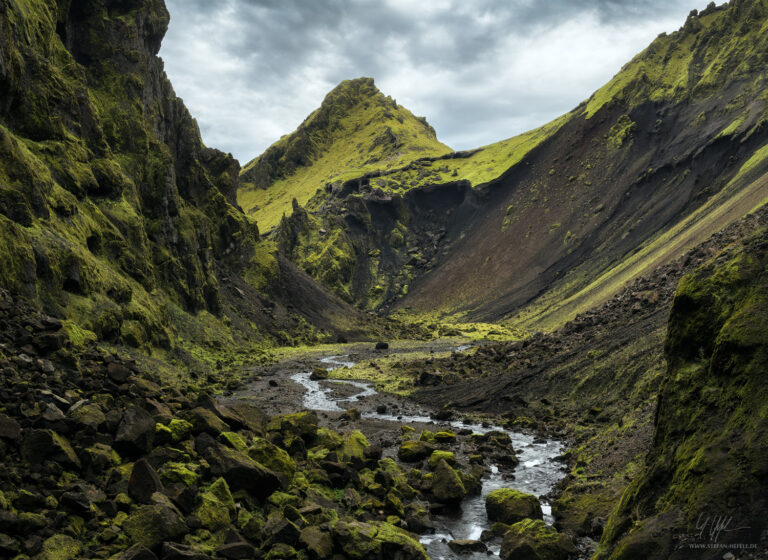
42 445
328 438
281 551
535 540
439 455
272 457
353 448
318 542
510 506
151 525
361 540
216 506
205 421
89 415
238 469
447 487
61 547
445 437
414 451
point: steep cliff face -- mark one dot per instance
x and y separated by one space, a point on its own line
665 154
113 214
707 466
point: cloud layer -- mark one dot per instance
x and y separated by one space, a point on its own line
480 71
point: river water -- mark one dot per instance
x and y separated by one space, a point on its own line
536 474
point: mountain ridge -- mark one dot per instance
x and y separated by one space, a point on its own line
355 128
654 147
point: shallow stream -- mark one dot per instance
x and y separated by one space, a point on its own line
536 474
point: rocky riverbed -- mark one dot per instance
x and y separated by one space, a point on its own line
505 459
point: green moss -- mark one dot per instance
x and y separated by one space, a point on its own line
216 506
272 457
353 448
438 456
172 472
61 547
621 132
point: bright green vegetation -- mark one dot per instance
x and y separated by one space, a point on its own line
712 49
356 130
387 372
479 166
711 429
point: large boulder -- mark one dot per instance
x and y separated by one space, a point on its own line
447 487
318 542
532 539
271 456
414 451
216 506
135 433
47 445
510 506
61 547
204 420
9 428
151 525
377 540
240 471
144 482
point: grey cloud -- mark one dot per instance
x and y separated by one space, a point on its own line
251 70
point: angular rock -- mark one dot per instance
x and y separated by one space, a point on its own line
150 525
447 487
535 540
240 471
318 542
89 415
414 451
43 445
205 421
9 428
281 531
144 482
135 433
118 372
510 506
136 552
175 551
61 547
236 550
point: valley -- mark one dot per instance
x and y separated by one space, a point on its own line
364 344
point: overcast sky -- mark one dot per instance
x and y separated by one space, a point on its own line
479 70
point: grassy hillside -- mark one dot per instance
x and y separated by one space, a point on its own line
355 130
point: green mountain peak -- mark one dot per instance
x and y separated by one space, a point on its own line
356 129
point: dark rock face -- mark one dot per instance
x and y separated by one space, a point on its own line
42 445
136 432
92 132
240 471
144 482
